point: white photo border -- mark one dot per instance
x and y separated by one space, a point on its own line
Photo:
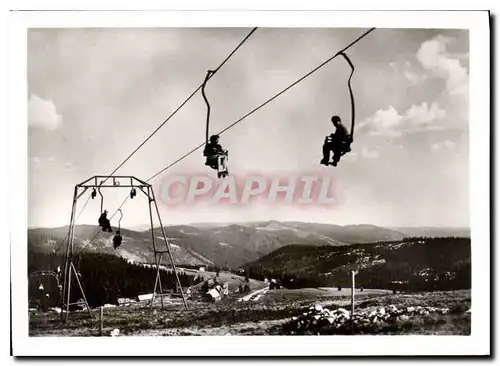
478 343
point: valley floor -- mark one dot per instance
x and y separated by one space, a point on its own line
263 312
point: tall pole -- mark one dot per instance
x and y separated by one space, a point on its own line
63 287
81 289
69 266
151 219
101 321
169 251
353 290
157 260
159 281
69 254
157 263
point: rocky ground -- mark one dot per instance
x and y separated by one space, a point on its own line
274 312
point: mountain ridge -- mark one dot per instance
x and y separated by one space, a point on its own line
418 264
232 244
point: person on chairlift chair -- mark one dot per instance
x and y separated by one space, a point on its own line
117 239
104 222
338 142
213 151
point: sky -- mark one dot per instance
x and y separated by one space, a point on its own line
95 94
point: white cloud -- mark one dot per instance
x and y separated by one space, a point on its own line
424 115
38 162
435 58
443 145
369 154
43 114
418 118
384 121
413 77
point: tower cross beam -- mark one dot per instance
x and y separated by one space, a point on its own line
71 274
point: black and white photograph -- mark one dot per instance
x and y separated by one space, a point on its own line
306 175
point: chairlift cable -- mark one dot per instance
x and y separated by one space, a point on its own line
166 120
255 109
267 101
341 52
180 106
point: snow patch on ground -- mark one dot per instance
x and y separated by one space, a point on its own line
274 226
327 239
187 233
257 298
255 293
169 240
130 257
199 256
396 246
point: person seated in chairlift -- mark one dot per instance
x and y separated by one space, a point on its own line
104 222
117 239
213 150
338 142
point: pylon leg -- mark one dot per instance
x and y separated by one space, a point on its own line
169 251
69 266
69 293
83 293
65 283
156 280
159 282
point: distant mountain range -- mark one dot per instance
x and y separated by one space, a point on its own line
225 244
143 227
434 231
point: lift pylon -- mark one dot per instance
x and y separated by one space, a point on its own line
98 182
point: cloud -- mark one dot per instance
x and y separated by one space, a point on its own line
43 114
39 162
435 58
418 118
414 78
369 154
443 145
424 115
